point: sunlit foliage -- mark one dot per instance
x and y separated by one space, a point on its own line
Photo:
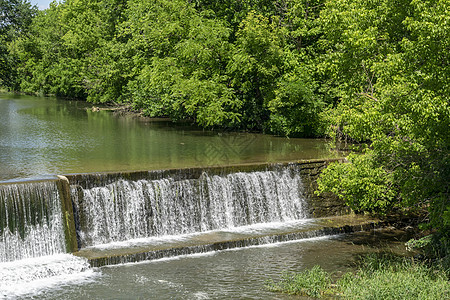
398 105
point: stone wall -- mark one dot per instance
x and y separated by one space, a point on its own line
324 205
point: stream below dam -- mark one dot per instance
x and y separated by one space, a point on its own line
240 273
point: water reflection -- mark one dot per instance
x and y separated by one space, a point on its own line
48 136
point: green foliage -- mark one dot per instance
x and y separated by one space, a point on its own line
435 248
255 65
70 50
295 109
182 57
379 276
356 35
314 283
238 64
361 183
399 107
15 19
233 12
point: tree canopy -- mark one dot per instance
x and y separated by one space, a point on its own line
399 107
368 72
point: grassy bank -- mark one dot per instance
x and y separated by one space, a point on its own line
378 276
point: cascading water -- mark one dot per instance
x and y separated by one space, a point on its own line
31 223
32 240
35 275
124 209
130 217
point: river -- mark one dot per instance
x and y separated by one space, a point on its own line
42 136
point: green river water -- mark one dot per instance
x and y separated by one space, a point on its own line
42 136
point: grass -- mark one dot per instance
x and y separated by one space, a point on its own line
379 276
313 283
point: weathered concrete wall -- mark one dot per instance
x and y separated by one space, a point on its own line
68 216
324 205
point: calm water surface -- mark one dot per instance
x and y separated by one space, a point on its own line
42 136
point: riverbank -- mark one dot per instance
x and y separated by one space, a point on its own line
422 271
378 276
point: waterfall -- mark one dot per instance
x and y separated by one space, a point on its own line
31 223
54 231
129 209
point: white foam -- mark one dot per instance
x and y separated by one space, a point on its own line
278 244
248 229
201 295
212 253
259 227
35 275
155 240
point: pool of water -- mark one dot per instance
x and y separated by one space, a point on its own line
231 274
42 136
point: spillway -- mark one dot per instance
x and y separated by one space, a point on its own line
31 222
130 209
60 228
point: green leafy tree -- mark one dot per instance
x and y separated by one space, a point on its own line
295 109
255 66
71 51
46 66
180 57
15 19
401 110
233 12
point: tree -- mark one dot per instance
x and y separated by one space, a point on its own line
254 67
72 51
401 110
295 109
180 56
15 19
